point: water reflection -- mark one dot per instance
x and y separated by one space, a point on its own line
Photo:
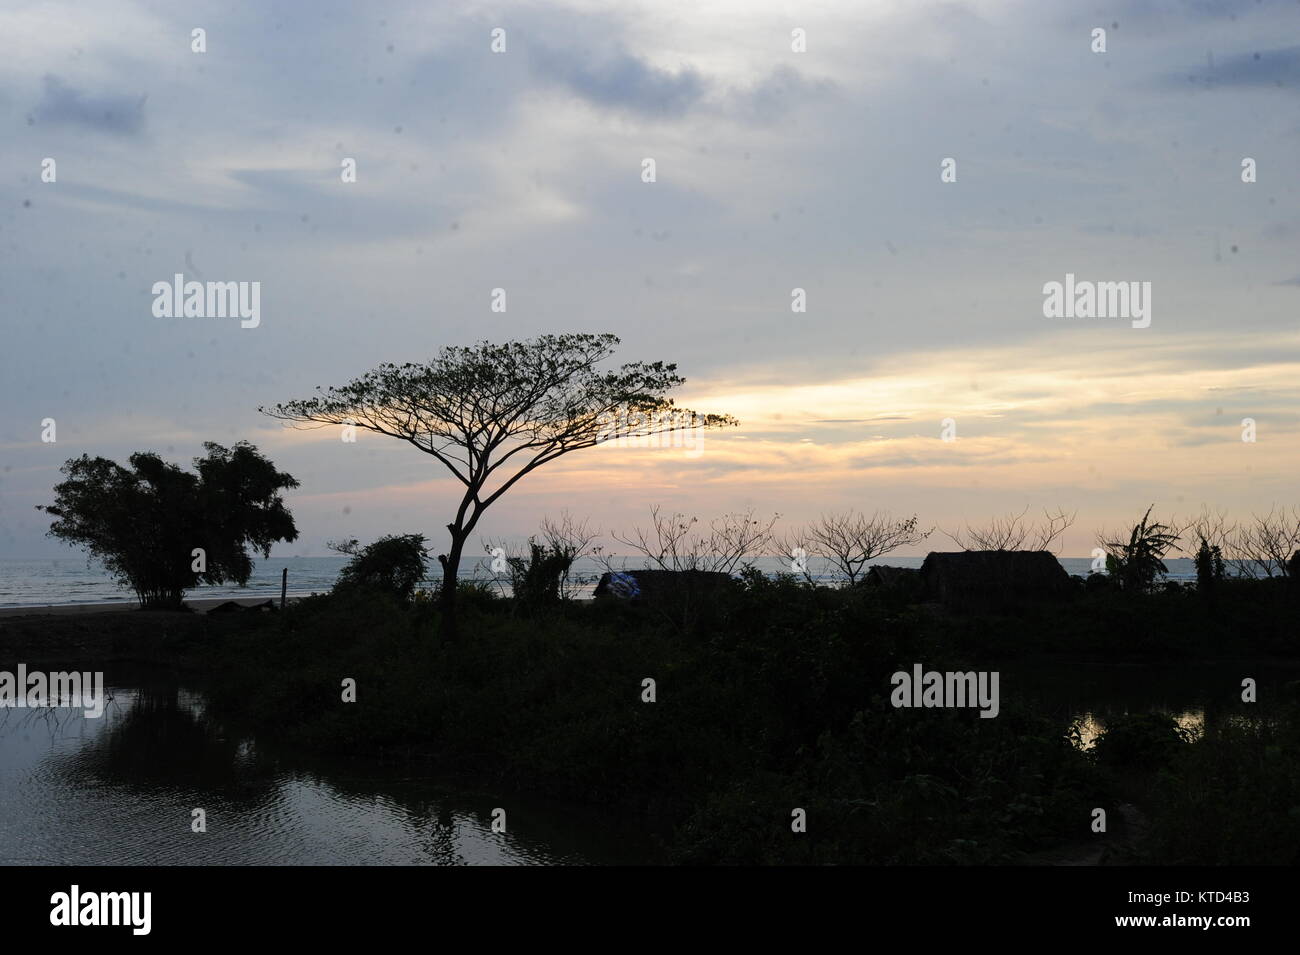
1199 698
122 789
1091 725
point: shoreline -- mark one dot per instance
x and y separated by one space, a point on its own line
95 636
198 605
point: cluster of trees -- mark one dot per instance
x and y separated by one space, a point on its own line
163 530
1262 546
491 414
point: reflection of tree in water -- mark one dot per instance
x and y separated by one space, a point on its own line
1226 712
159 740
164 738
52 720
453 819
433 821
1205 719
437 830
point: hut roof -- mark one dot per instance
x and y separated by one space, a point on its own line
993 577
887 576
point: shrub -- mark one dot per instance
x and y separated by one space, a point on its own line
1139 739
1230 798
536 581
394 565
1209 569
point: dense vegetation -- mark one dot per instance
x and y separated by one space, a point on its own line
775 696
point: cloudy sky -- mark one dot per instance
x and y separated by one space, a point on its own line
775 170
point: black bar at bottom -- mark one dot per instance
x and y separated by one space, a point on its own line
330 904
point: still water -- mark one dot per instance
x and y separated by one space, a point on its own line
1091 694
121 789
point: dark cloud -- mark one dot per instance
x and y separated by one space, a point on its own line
784 89
1263 68
1165 13
626 82
1214 9
110 113
621 82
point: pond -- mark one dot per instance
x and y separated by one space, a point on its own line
1092 693
121 789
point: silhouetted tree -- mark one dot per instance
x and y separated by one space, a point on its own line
849 540
674 543
1013 532
146 523
1263 545
1136 562
492 413
1209 571
394 564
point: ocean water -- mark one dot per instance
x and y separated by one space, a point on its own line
71 580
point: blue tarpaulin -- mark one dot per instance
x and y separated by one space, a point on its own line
624 585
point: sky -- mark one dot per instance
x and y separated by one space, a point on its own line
775 169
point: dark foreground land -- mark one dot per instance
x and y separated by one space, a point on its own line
772 696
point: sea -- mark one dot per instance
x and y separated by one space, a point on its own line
72 580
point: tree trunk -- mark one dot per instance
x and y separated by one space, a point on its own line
161 599
450 570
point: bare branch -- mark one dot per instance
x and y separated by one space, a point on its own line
1262 546
850 539
1013 532
673 541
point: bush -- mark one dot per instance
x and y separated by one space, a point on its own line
1139 740
1233 796
536 581
471 595
393 565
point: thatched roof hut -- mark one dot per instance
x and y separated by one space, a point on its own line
653 585
893 578
993 578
